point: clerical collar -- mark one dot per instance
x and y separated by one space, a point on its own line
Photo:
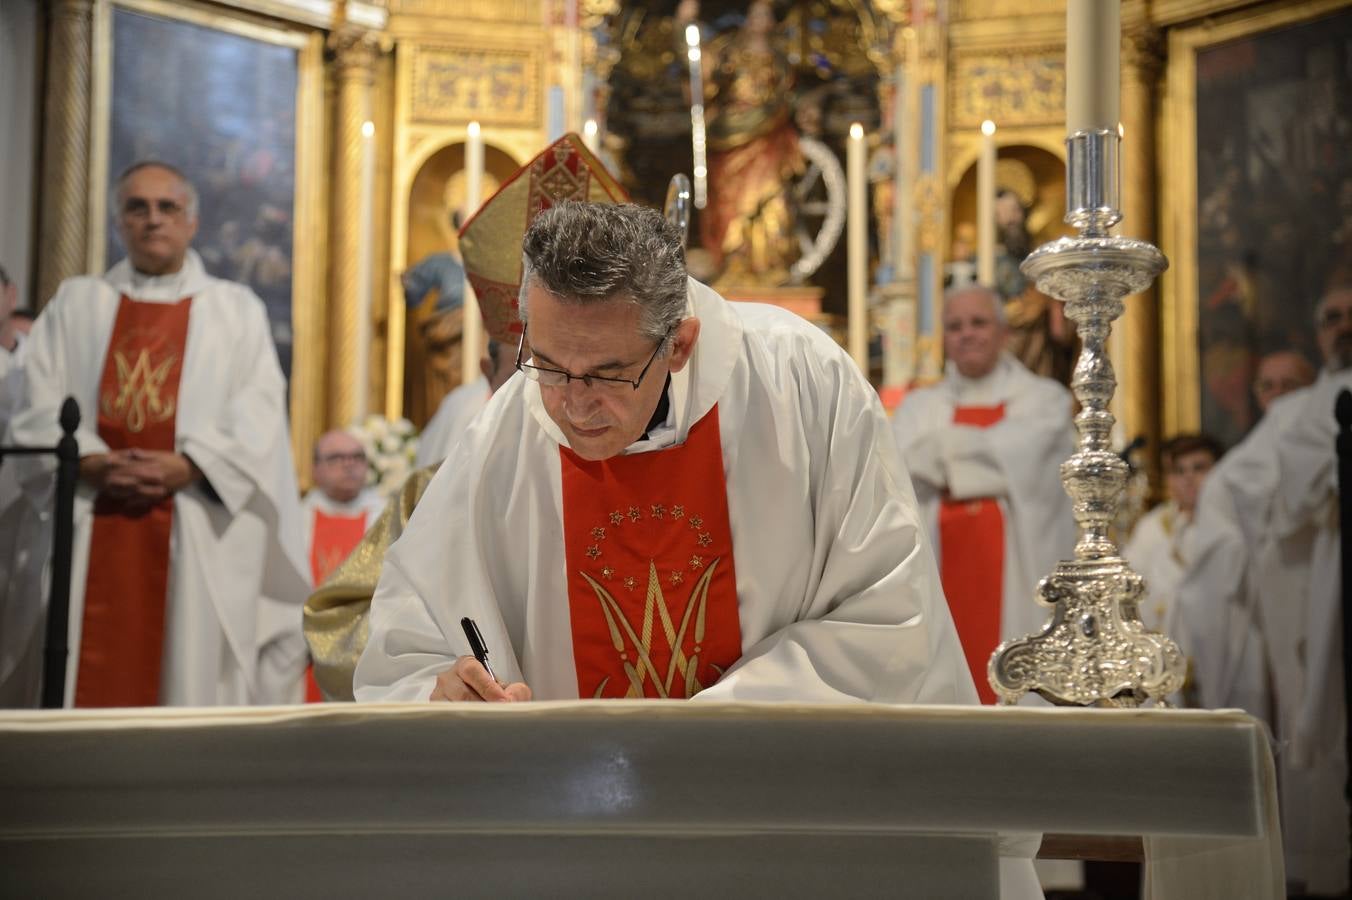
663 410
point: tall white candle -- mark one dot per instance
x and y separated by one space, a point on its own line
901 182
985 206
472 335
589 129
365 264
1093 67
857 247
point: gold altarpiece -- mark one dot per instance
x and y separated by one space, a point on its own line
421 70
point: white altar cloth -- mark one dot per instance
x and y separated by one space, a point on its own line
619 798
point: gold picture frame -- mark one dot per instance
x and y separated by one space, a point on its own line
1180 314
308 246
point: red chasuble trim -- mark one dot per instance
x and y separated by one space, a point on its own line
972 563
333 538
122 638
652 590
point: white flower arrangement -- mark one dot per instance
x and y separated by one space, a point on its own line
391 448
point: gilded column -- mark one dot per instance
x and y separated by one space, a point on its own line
1137 351
63 233
354 54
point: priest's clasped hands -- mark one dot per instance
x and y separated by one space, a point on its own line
138 479
469 680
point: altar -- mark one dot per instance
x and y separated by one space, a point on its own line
622 799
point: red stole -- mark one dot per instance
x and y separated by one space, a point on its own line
652 592
334 537
122 638
972 563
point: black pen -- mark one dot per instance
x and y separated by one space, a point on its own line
476 644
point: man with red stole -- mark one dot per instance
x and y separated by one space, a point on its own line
188 575
340 507
984 448
676 497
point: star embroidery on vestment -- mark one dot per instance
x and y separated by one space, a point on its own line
659 511
607 573
634 514
677 576
696 522
599 533
678 512
593 551
696 562
630 583
704 540
616 517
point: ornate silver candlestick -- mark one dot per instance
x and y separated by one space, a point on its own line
1095 650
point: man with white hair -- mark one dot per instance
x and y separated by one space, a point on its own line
984 448
188 576
340 507
1259 604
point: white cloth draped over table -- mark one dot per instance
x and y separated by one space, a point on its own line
1259 614
1015 461
237 577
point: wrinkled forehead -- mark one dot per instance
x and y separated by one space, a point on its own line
153 183
337 442
970 305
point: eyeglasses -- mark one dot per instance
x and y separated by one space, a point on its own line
139 208
559 378
351 459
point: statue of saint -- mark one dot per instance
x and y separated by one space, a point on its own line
753 155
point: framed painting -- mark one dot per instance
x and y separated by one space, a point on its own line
236 104
1257 206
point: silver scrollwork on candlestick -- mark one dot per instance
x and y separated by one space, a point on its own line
1094 651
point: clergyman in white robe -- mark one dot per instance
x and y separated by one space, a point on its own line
1258 615
237 578
1015 461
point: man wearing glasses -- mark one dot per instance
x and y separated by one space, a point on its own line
188 573
678 497
1260 606
340 507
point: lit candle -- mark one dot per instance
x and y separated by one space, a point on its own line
1093 45
589 130
365 265
985 206
472 334
857 247
698 136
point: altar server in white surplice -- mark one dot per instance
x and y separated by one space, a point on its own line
1259 605
188 576
458 408
984 448
1156 549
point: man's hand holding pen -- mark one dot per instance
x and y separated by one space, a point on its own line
469 680
472 678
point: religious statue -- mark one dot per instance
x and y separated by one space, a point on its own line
753 152
1038 334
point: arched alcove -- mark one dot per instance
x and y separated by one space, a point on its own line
432 338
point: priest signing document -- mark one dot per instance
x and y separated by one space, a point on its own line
676 496
188 580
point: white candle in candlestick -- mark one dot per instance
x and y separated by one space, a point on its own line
857 247
1093 68
365 264
985 206
472 333
589 129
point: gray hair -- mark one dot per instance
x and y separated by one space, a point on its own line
589 252
1325 297
192 205
997 302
